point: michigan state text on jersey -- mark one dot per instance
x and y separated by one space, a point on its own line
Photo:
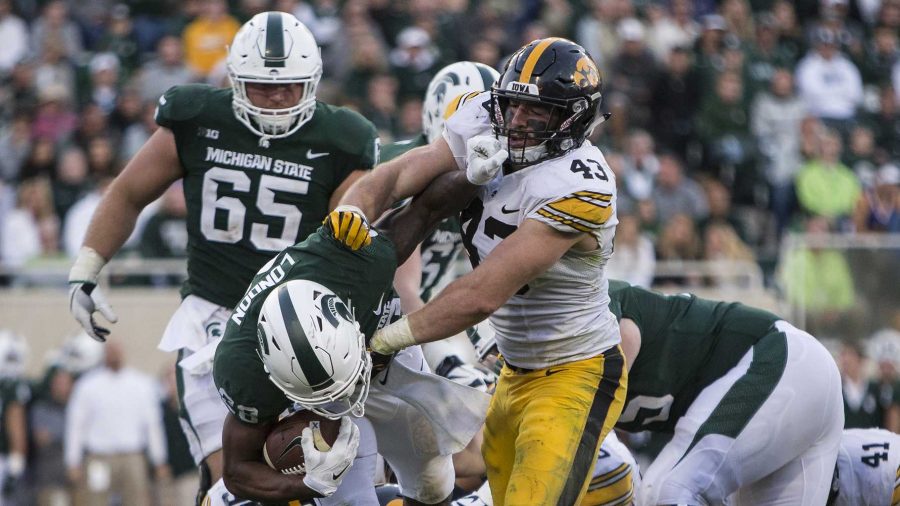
753 403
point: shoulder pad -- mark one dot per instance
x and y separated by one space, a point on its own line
348 129
182 103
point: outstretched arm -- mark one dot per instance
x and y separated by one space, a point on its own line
402 177
445 196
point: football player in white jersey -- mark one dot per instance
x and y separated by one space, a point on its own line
539 235
868 469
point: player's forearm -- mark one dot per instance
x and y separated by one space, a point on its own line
455 309
258 482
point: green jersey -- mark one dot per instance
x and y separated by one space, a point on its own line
442 246
12 391
687 343
363 279
245 203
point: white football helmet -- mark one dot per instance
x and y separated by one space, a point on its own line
13 354
274 48
313 349
448 85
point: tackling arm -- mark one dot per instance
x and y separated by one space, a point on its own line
473 297
400 178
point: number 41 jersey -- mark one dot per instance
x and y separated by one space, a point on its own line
868 467
245 203
562 314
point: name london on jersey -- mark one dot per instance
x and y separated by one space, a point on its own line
258 162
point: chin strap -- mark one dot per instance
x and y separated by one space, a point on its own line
264 141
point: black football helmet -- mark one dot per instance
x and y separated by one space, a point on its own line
557 74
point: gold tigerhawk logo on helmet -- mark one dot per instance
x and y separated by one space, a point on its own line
586 73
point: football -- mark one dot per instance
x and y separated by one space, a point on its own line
283 450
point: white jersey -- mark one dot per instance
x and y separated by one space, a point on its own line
562 315
868 466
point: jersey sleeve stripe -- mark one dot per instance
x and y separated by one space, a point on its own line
592 212
564 221
457 102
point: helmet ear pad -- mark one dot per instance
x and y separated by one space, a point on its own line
312 349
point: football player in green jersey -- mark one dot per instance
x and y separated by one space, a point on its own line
753 403
298 335
262 163
14 395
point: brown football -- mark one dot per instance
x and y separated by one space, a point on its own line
283 451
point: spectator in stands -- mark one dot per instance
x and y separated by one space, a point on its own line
54 119
884 348
413 62
104 82
791 39
676 95
721 211
113 418
676 194
708 49
30 229
54 69
861 407
13 38
670 28
128 109
137 134
119 39
206 37
825 186
596 31
721 248
634 72
829 82
885 122
41 160
833 16
878 209
165 70
723 127
55 22
775 121
633 259
93 123
15 145
381 104
678 241
102 160
639 166
862 157
47 416
21 89
880 56
71 180
818 280
765 56
368 58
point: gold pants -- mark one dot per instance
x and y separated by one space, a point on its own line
544 428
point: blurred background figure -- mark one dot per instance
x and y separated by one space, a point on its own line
47 418
14 396
112 420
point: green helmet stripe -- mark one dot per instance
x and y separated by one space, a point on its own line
274 55
315 374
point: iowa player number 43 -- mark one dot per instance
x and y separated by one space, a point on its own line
235 211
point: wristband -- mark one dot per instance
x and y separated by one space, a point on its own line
394 337
87 266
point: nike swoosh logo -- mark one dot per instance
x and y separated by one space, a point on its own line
293 444
335 476
312 156
504 210
553 371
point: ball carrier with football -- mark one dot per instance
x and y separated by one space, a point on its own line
298 338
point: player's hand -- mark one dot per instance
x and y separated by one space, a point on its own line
484 158
85 298
325 470
349 226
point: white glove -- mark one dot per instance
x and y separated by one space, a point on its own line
85 298
324 470
484 158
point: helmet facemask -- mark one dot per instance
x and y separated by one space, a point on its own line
274 123
556 133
